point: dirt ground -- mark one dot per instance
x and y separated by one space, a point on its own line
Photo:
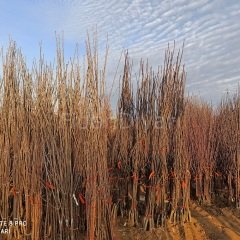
208 223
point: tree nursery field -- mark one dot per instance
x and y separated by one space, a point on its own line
162 166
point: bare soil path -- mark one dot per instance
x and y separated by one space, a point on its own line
208 223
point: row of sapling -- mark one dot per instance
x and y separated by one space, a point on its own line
54 171
152 156
69 170
201 148
228 158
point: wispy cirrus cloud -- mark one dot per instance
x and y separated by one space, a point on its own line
209 28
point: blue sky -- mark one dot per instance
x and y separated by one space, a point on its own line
210 29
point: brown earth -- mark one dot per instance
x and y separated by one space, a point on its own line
208 223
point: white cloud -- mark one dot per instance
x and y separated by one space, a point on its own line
210 29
